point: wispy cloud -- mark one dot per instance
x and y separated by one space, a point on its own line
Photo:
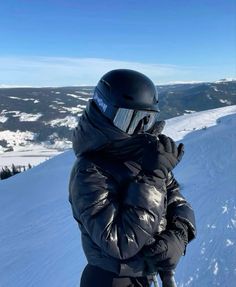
62 71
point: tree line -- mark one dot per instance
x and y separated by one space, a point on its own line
7 172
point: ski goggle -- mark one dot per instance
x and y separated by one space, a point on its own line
128 120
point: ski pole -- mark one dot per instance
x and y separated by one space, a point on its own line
167 278
154 278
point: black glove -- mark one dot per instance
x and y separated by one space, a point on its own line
165 253
157 128
161 156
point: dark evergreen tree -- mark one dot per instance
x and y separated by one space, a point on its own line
14 169
5 173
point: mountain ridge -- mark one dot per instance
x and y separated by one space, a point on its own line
49 115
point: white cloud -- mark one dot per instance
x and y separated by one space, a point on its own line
64 71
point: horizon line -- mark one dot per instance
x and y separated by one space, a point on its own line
6 86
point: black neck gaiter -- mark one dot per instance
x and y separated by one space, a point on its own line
128 149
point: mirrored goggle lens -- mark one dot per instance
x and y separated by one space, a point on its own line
127 120
147 118
123 118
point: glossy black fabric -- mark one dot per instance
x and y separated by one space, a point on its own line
95 276
117 212
178 208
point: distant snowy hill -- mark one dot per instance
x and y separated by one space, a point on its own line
47 116
40 242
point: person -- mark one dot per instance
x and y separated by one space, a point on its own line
133 219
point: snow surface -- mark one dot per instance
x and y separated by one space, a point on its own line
68 121
33 154
53 107
26 117
79 96
3 119
17 138
225 102
73 96
75 110
226 80
215 89
40 241
15 98
25 99
86 93
4 112
59 103
207 176
179 127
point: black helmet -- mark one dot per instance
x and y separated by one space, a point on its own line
128 98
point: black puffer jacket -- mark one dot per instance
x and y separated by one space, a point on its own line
117 214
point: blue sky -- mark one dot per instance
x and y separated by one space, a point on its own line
73 42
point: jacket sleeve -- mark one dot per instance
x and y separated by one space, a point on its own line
120 222
179 208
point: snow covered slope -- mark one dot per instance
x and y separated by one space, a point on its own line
40 242
208 178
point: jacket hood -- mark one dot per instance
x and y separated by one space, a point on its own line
94 131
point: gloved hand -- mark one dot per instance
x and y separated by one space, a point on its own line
157 128
161 155
165 253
